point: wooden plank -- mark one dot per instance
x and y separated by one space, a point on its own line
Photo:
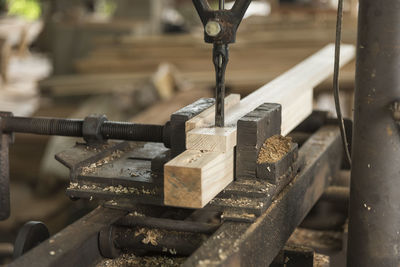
207 116
191 177
187 177
294 110
286 90
211 139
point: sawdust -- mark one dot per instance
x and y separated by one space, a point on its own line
150 235
321 260
127 190
129 260
274 149
92 167
235 202
135 214
83 187
118 189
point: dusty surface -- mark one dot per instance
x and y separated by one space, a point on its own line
92 167
321 240
321 260
274 149
118 189
132 260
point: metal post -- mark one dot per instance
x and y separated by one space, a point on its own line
4 177
374 227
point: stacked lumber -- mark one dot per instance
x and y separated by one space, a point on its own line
265 48
256 58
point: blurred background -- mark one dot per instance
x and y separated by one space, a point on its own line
135 61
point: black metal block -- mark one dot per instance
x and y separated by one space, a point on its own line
258 125
272 171
157 163
178 121
252 130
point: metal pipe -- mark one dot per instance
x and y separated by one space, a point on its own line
374 226
155 240
5 140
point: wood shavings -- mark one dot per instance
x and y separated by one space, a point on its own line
92 167
150 236
118 189
136 214
121 189
83 187
132 260
274 149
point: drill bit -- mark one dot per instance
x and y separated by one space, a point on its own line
220 59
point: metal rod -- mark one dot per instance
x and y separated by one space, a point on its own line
156 240
73 127
168 224
221 4
4 176
336 81
220 60
240 7
374 226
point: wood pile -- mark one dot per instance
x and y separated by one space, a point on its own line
263 50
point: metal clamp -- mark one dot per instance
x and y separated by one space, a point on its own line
220 26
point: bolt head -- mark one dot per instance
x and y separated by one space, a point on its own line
213 28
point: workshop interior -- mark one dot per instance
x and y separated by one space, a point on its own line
200 133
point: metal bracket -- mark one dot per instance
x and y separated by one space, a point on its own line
220 26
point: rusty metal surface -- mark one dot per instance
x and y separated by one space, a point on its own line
252 242
95 127
113 172
257 244
374 217
76 245
229 19
5 141
4 177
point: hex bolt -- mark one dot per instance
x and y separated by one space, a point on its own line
213 28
